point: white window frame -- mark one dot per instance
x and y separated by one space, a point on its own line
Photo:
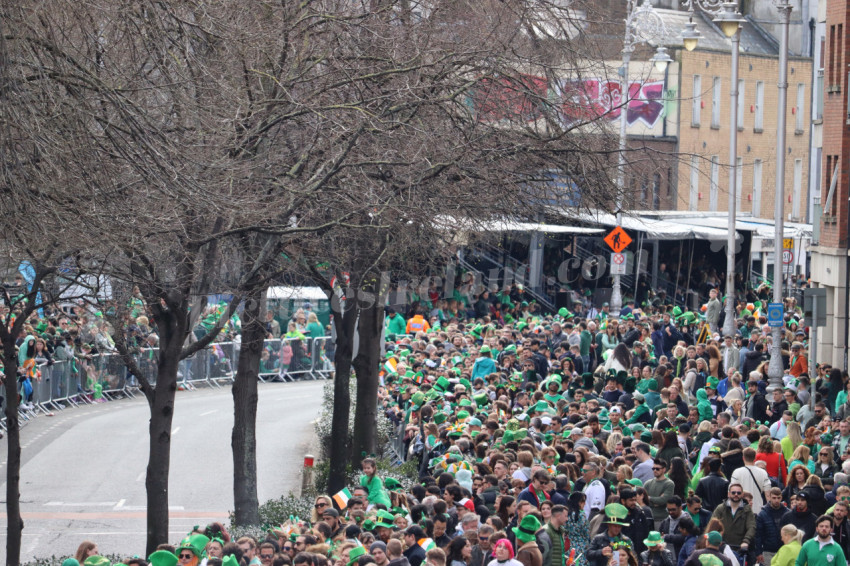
696 102
741 103
758 124
801 104
716 93
798 187
714 191
693 199
757 177
739 184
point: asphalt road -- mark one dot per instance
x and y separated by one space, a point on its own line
83 469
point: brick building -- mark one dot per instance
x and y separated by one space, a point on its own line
830 255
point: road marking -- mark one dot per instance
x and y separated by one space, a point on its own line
141 476
208 413
90 504
119 505
175 431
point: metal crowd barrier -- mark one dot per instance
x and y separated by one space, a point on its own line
71 383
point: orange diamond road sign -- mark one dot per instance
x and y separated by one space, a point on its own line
618 240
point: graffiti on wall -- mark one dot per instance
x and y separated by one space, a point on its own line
522 99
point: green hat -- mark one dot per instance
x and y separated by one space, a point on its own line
652 385
465 403
481 399
527 528
715 538
635 482
355 553
646 436
654 539
161 558
562 312
676 311
826 439
73 562
462 415
97 561
712 382
439 418
442 384
196 543
230 560
510 349
615 513
385 519
484 349
688 317
392 484
539 407
417 399
474 422
587 380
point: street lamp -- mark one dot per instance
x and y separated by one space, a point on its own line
775 369
643 25
726 16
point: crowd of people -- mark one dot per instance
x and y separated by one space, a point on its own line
585 437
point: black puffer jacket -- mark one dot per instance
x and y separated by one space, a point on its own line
768 523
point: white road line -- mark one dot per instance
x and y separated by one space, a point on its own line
208 413
119 505
89 504
175 430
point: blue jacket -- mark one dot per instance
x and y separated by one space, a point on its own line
768 523
687 549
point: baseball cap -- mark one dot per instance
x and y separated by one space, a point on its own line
715 538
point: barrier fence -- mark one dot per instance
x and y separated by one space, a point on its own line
105 377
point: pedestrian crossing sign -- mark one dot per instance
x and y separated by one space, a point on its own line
618 240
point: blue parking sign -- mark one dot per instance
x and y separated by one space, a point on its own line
775 315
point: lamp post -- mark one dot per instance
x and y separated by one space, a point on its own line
775 368
726 16
643 25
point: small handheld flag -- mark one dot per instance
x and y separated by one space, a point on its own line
342 498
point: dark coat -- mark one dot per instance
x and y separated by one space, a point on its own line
594 549
415 555
768 523
640 523
803 520
712 489
817 499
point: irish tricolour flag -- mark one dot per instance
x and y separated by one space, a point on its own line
426 544
342 498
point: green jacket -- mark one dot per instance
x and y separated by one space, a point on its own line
738 528
787 555
553 540
377 493
811 554
396 325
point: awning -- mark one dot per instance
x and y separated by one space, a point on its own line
762 228
653 228
506 225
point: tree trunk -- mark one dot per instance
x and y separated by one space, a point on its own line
366 367
159 454
244 438
339 447
14 522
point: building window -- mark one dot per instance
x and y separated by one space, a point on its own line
758 125
656 191
831 57
819 96
757 165
739 184
838 54
741 104
801 104
715 103
798 186
715 183
693 198
696 101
